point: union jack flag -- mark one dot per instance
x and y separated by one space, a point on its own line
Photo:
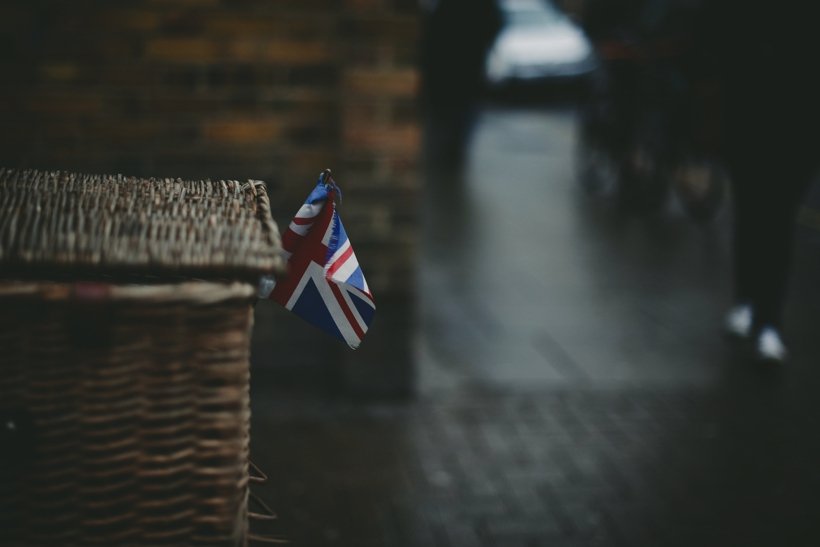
324 285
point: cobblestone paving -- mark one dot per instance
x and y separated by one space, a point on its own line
546 468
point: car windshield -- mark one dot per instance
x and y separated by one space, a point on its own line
530 16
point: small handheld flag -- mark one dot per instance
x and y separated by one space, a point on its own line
324 284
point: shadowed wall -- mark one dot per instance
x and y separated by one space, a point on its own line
257 89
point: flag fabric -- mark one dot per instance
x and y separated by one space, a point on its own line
324 284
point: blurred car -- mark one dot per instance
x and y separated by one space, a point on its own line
538 44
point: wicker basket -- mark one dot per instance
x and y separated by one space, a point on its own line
123 383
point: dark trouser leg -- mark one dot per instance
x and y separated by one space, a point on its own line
766 202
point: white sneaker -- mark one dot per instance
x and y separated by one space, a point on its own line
770 346
739 321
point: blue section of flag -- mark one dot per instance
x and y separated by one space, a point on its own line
318 194
311 307
339 232
337 236
365 309
356 279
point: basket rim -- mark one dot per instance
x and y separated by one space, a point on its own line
195 292
21 256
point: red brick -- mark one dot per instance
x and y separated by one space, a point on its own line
305 26
137 20
402 140
381 82
279 51
242 130
183 49
59 71
369 27
185 3
365 5
65 102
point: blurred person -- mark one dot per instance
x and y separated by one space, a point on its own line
612 27
637 113
761 54
757 54
457 36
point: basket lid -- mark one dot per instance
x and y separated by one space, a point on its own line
55 224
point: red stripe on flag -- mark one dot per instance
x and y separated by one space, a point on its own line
290 240
308 249
348 314
340 261
303 220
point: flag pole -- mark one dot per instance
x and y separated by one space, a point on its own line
327 179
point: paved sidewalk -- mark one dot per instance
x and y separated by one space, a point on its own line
574 388
625 467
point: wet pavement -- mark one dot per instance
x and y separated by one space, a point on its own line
573 385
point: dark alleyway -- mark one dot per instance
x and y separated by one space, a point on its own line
573 385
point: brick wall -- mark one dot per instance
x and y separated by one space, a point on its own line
268 89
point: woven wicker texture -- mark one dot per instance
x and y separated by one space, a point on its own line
130 412
58 223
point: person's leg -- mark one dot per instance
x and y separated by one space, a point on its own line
744 236
766 202
773 261
771 151
758 169
748 219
